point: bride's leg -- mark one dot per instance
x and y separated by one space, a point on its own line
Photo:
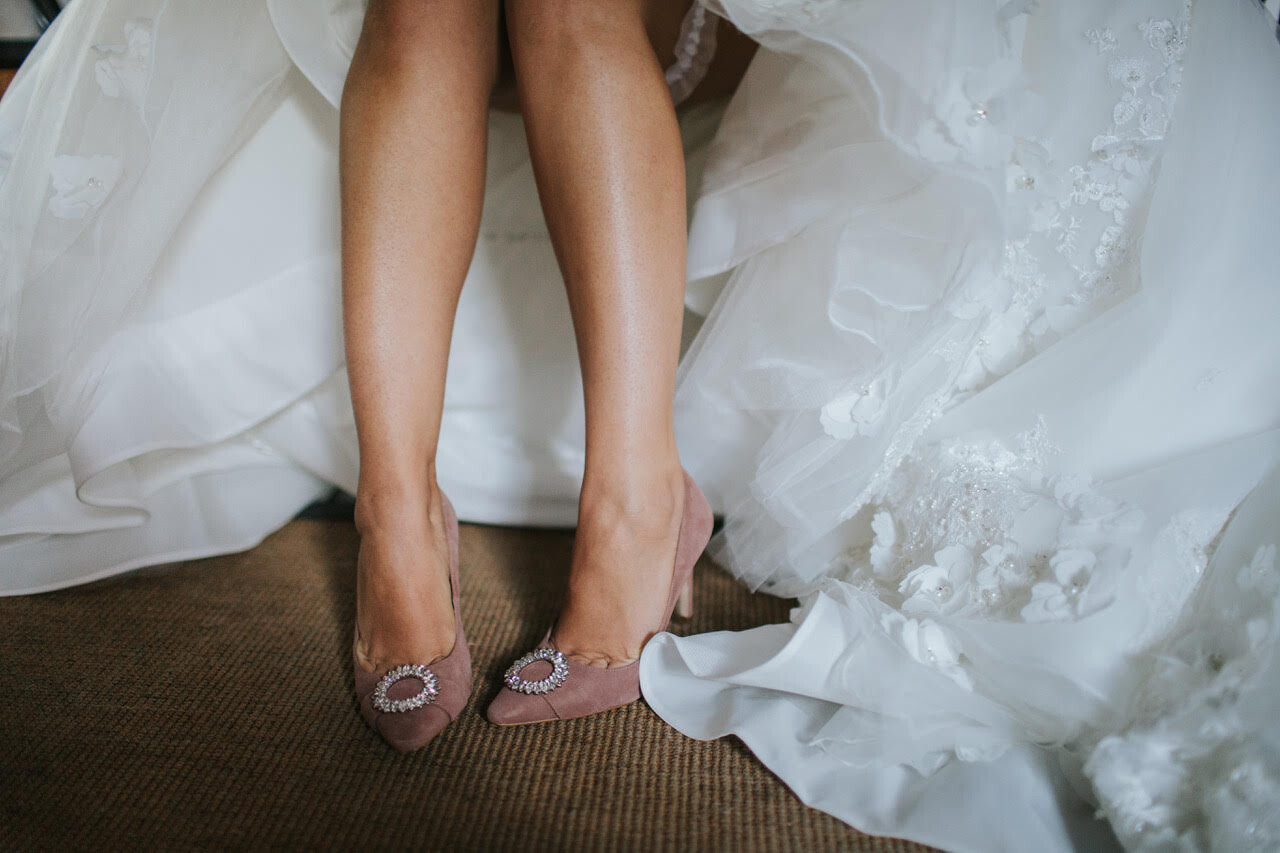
610 170
414 119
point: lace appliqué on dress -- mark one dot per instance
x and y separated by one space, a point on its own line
1085 213
1182 776
978 529
124 71
1068 254
81 183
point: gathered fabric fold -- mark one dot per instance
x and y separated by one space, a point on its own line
991 292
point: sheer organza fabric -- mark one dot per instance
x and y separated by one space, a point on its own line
1015 434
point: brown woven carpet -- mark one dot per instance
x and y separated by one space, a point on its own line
209 705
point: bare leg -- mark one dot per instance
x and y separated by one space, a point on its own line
412 190
610 170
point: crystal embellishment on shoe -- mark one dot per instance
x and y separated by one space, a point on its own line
559 672
430 689
576 689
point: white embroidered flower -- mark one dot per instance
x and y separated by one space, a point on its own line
1140 779
80 184
927 642
1068 233
941 588
1085 187
125 69
982 295
927 588
1072 490
857 413
1131 157
969 106
1152 120
1033 185
1018 178
1000 567
1050 602
1021 269
1257 630
1103 40
1167 87
884 544
1112 247
1242 814
1126 108
1036 443
1129 71
999 349
1072 566
1090 509
1164 37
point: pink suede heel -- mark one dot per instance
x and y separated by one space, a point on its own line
547 685
408 705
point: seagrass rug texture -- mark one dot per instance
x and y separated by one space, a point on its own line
209 705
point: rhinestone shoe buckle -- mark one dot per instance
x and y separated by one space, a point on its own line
559 672
430 689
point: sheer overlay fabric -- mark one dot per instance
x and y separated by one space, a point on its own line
1014 445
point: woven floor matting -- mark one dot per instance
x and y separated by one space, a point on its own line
209 705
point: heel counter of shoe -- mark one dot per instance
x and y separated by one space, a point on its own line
698 523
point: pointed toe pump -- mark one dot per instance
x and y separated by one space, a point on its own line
409 704
546 684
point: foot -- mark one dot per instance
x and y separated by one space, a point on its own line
404 612
623 556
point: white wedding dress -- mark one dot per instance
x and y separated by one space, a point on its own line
986 379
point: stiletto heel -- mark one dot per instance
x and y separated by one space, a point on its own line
684 601
547 685
407 718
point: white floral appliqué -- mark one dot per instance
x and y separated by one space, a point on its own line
1084 212
81 184
855 413
124 70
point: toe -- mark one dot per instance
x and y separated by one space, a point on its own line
414 729
510 708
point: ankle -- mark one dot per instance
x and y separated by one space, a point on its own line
648 501
388 506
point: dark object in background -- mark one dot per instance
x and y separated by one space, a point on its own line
14 50
337 506
46 11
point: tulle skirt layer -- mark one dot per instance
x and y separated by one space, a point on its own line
994 291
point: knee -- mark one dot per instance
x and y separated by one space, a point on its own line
410 37
563 29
